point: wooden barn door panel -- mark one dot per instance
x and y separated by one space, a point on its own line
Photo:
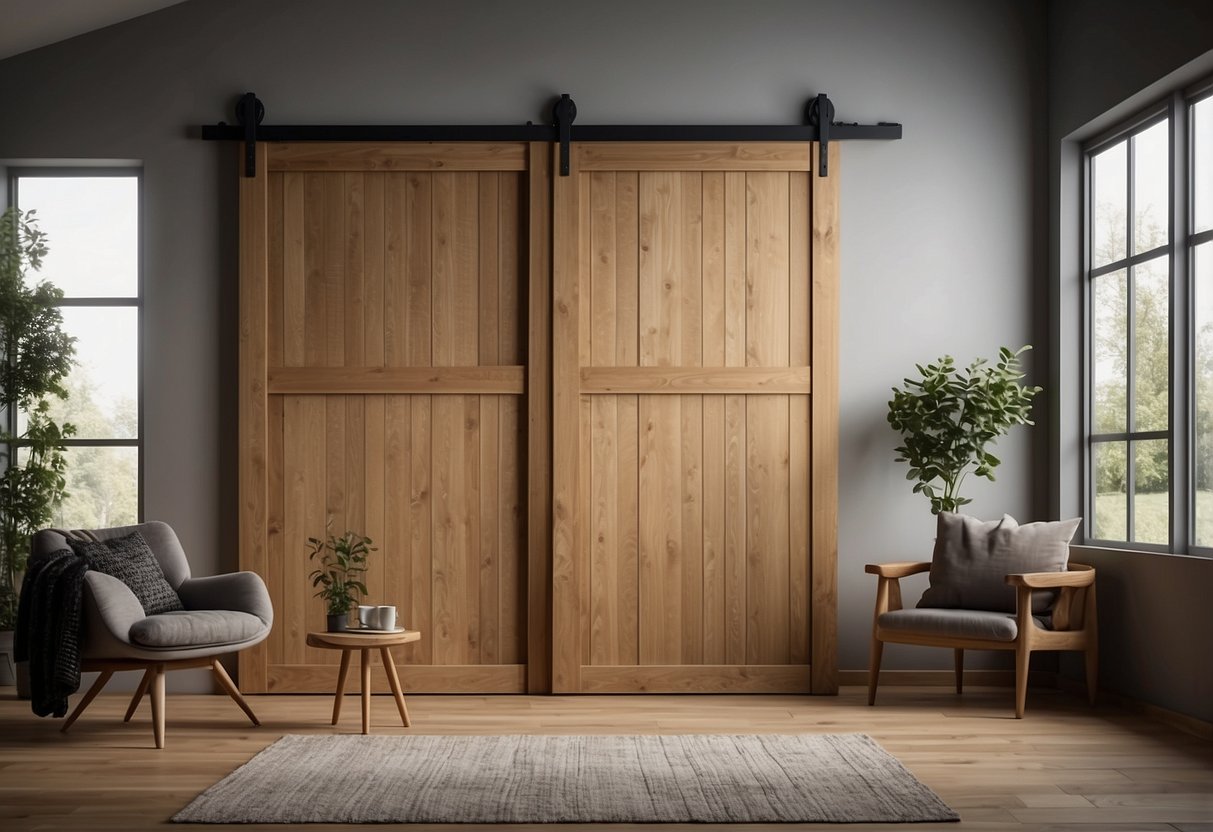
395 357
684 547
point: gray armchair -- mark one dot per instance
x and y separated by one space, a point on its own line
223 614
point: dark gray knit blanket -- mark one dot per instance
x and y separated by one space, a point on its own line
48 628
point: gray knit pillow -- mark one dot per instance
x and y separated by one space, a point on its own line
973 557
130 560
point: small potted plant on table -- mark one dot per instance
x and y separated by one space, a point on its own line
340 576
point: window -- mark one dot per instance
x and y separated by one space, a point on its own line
1149 413
92 218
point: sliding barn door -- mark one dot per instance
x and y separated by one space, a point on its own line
395 343
694 431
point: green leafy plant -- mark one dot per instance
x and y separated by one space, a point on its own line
36 359
948 417
342 566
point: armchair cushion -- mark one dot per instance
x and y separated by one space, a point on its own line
973 557
199 628
980 624
130 560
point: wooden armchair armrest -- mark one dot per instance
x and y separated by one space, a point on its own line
897 570
1079 575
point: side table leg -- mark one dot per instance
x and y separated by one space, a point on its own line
366 690
394 681
341 674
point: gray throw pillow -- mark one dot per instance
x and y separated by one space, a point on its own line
130 560
973 557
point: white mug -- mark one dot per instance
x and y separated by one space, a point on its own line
368 617
386 617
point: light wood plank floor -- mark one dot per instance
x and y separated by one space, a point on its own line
1064 767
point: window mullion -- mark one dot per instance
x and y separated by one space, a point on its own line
1130 348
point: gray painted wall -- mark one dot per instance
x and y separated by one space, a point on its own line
940 230
1107 60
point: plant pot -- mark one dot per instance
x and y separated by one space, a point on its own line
338 623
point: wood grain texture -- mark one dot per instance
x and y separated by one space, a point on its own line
539 413
397 311
1108 769
398 156
566 633
695 380
691 156
823 475
475 379
684 678
719 461
253 487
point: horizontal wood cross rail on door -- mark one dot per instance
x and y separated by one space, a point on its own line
485 380
690 380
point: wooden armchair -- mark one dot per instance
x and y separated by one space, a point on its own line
1070 624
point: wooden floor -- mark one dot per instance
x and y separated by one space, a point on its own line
1064 767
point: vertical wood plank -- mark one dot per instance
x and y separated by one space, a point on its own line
253 493
511 534
767 417
275 545
294 270
397 510
603 520
736 533
275 283
540 412
292 606
423 535
354 268
691 498
315 296
627 353
798 418
490 321
566 429
373 271
311 445
627 550
660 492
689 281
714 574
334 269
823 627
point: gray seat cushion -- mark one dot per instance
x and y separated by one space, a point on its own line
973 557
995 626
196 628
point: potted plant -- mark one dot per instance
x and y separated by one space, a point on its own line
948 417
35 359
342 566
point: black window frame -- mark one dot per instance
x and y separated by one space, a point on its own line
1175 108
15 174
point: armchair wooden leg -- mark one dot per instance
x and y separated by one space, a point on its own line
874 668
88 698
158 704
1022 656
958 659
232 690
140 692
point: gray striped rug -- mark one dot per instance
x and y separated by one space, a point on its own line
777 778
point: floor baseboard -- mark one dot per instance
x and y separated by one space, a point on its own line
1183 722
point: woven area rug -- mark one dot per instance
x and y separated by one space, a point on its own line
561 779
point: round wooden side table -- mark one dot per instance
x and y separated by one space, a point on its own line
352 640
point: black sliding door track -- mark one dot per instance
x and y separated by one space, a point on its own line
250 111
